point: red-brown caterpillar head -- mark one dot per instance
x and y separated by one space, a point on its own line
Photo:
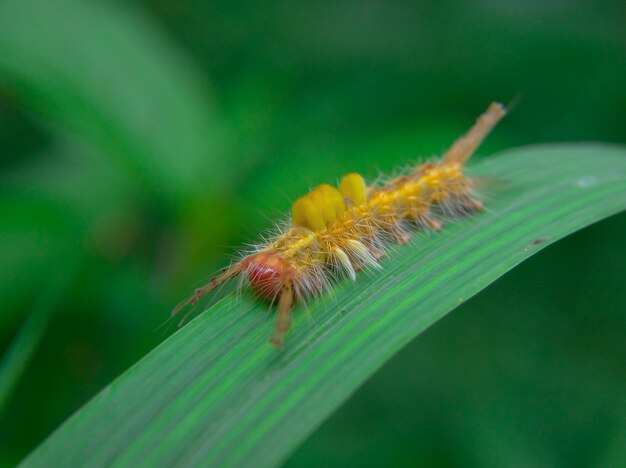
266 272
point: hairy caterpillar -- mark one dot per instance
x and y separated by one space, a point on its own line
339 231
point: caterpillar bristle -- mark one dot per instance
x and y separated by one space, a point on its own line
336 232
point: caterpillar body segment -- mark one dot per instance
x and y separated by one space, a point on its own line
340 231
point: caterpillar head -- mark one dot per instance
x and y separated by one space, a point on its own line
266 272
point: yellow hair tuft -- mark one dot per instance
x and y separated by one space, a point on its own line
318 209
352 186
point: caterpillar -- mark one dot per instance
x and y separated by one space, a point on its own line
337 231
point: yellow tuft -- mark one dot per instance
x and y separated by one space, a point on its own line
352 186
318 209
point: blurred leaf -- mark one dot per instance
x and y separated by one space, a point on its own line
37 234
105 71
19 354
52 208
217 392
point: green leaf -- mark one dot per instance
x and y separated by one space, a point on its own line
50 206
216 392
107 73
15 361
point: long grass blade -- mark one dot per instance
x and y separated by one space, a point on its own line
216 393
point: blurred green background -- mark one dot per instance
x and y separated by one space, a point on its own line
142 142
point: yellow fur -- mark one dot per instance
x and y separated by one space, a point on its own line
352 186
345 229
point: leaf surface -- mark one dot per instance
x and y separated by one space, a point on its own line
106 72
217 393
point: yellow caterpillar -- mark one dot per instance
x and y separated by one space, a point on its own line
345 229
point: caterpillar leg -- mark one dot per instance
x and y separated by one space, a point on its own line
471 204
283 314
225 275
400 235
428 222
464 147
377 253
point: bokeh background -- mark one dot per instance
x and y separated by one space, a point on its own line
142 141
